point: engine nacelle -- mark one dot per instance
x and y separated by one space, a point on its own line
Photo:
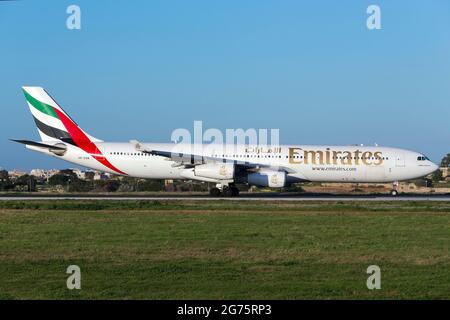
271 179
218 171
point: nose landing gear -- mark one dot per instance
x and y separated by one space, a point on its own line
394 191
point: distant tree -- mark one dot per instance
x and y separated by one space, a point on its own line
112 185
422 182
89 175
125 187
22 180
128 184
99 185
437 176
5 181
150 185
26 181
69 172
199 186
446 161
190 186
65 177
58 179
106 185
80 186
4 175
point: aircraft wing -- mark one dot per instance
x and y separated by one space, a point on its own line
191 160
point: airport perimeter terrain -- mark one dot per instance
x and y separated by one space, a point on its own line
188 249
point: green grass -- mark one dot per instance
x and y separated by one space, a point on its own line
333 206
224 250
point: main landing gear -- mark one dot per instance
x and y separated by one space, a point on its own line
227 191
215 192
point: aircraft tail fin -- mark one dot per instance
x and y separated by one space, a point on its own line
52 122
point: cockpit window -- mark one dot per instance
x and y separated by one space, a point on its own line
422 158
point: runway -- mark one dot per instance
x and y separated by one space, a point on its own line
246 197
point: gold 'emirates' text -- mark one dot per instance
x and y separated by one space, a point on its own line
332 157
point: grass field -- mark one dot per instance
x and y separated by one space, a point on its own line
224 250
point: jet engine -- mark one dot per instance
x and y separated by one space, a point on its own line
272 179
218 171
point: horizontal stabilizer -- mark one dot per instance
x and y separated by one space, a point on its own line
40 144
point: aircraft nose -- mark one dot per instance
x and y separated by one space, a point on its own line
434 167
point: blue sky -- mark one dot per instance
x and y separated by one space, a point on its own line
140 69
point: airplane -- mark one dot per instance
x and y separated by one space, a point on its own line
258 165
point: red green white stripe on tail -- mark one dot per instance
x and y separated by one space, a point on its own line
54 124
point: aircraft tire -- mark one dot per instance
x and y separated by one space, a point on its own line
215 192
234 192
228 191
394 193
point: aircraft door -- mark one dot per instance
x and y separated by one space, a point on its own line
399 160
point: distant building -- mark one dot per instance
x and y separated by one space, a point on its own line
14 174
86 175
101 175
80 174
43 174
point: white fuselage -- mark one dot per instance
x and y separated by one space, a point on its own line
301 162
